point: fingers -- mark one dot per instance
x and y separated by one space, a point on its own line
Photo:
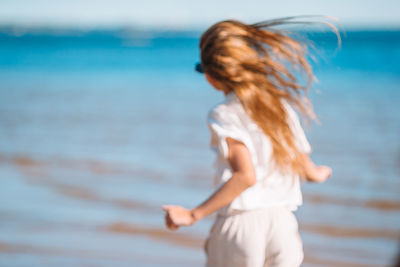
173 212
165 207
168 207
168 221
177 216
170 224
327 175
328 172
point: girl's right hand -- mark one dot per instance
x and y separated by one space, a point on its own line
177 216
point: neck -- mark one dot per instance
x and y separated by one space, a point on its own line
230 95
227 92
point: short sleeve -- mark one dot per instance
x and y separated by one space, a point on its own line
301 139
223 124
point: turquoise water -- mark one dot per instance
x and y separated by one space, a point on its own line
99 129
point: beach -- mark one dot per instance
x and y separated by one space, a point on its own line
99 129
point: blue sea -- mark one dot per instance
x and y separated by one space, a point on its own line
99 128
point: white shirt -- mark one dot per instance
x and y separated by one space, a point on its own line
229 119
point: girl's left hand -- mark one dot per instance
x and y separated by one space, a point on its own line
321 174
177 216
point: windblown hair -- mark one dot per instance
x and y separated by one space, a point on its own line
260 65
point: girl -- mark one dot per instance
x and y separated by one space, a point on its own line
262 151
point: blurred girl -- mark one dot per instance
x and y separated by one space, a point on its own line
262 151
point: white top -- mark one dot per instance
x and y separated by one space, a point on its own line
229 119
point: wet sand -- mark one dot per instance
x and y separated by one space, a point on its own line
37 173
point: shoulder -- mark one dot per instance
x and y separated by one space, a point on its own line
292 114
217 111
224 113
298 131
228 110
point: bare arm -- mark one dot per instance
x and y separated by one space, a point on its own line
315 173
243 177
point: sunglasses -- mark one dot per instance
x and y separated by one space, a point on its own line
199 68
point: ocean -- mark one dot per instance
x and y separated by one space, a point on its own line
100 128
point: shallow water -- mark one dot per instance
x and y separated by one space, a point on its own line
99 129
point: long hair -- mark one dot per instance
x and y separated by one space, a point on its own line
260 64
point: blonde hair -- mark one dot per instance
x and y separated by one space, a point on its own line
260 65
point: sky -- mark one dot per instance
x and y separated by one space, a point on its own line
190 14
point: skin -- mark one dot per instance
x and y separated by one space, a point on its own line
243 177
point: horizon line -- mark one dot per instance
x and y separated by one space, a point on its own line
159 28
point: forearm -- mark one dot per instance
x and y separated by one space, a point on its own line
314 173
309 168
223 196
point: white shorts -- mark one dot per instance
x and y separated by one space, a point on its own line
256 238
